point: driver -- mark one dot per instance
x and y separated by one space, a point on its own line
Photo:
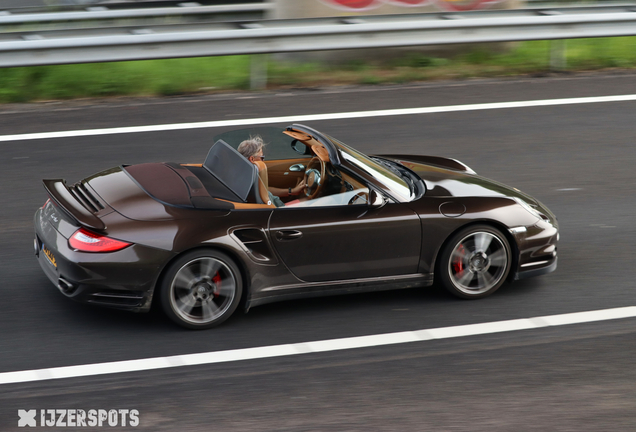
252 150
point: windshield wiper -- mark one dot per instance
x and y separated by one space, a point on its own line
396 168
387 164
399 170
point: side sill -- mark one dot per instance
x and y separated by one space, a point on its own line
323 289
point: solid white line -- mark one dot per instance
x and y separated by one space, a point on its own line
315 346
316 117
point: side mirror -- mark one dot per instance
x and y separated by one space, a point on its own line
299 147
376 199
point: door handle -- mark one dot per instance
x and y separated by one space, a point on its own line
297 167
287 235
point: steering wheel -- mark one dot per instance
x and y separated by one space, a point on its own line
314 177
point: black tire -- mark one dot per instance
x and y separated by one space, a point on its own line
475 262
201 289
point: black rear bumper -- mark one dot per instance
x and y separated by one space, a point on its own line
123 279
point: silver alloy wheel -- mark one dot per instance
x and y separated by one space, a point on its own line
202 290
478 262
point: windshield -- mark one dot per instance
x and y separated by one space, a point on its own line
391 179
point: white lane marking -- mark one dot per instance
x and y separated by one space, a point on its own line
316 117
315 346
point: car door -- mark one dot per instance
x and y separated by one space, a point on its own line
343 242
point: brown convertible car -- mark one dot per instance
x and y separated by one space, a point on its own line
206 238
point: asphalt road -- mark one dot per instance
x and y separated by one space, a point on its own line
577 159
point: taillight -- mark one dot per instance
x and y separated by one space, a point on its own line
47 201
86 241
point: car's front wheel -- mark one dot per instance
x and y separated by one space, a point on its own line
475 262
201 289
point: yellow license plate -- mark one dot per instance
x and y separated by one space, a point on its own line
49 255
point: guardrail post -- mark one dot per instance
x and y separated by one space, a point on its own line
558 49
258 71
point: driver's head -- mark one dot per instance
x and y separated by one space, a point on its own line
252 149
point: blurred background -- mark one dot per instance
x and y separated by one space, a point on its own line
375 66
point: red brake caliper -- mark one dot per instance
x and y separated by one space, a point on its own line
217 282
458 263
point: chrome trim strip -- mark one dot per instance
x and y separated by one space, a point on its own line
120 296
534 264
536 272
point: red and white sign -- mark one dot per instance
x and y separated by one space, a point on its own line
362 5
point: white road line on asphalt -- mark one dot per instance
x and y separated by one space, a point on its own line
316 117
315 346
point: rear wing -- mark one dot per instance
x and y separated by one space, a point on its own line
64 198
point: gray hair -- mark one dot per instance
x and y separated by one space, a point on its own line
251 146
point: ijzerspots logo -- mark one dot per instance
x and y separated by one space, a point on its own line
78 418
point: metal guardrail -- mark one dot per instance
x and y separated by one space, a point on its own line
103 14
111 16
113 43
37 6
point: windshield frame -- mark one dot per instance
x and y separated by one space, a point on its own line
392 181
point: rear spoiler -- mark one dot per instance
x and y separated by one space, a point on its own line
59 192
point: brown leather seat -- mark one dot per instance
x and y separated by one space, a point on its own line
263 187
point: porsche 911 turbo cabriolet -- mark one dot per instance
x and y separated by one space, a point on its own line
204 238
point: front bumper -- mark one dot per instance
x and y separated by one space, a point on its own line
548 268
537 247
123 280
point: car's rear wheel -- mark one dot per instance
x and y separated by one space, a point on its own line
201 289
475 262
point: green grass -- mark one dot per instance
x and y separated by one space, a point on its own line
152 77
186 76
